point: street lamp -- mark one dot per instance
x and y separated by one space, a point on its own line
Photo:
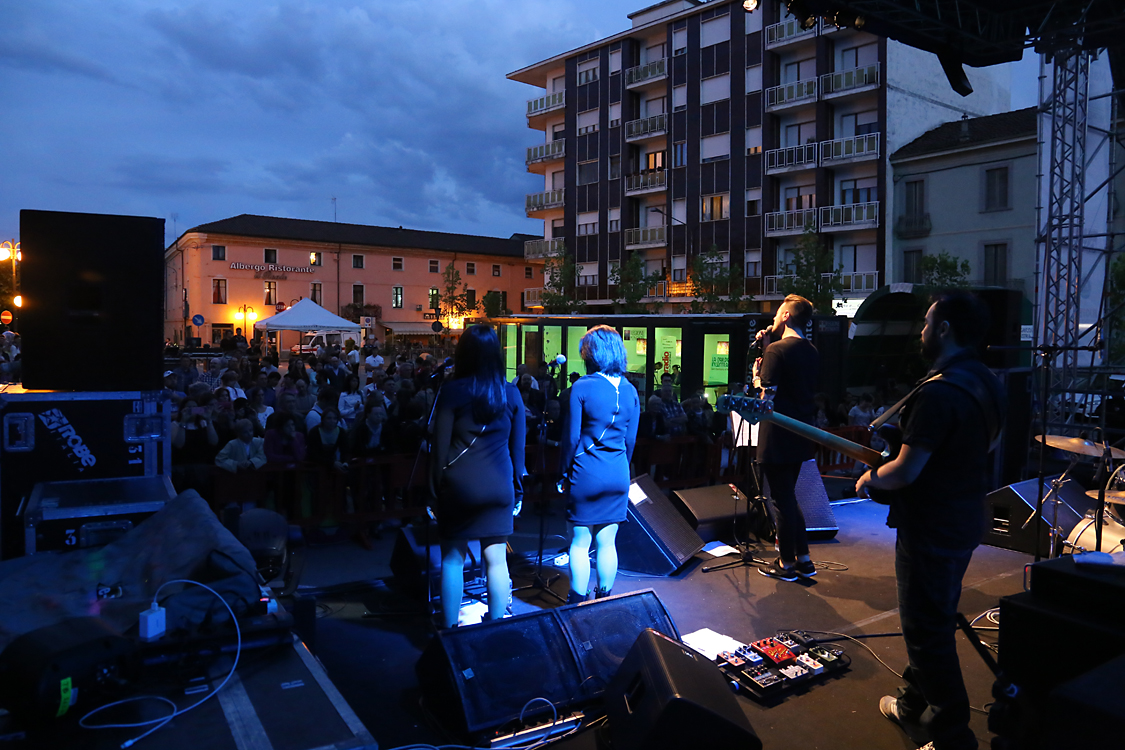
11 249
246 313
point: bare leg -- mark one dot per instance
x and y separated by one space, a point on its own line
499 583
580 538
452 579
607 556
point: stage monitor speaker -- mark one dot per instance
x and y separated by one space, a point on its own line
91 280
666 696
711 511
408 561
656 540
820 521
478 678
1007 508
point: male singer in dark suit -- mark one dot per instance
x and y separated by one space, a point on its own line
791 365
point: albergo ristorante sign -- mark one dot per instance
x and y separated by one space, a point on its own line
269 270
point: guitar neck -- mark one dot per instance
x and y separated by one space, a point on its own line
860 453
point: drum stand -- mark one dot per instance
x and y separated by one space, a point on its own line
1054 498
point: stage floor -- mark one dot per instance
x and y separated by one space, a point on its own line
371 658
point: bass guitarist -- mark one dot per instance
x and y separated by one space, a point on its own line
940 474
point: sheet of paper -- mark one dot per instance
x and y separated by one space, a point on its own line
636 494
710 644
718 549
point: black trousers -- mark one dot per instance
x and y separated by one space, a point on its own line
929 588
792 538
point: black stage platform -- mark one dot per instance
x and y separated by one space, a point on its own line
371 659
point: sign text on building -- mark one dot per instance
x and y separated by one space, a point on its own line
269 268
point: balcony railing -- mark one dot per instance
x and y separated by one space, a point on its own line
543 249
544 200
646 127
843 81
646 182
652 71
546 103
545 151
912 226
533 297
795 156
658 290
790 222
850 216
789 94
860 281
786 32
847 149
646 237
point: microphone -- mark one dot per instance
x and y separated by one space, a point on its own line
559 361
764 333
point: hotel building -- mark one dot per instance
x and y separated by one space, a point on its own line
705 126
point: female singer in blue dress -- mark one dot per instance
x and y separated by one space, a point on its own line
477 468
598 442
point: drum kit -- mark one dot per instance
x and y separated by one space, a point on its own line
1082 537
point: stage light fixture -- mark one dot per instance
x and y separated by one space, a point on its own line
750 5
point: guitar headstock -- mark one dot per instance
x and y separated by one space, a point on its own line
751 409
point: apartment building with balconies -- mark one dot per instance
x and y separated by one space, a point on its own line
704 126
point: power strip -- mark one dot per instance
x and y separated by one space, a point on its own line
539 731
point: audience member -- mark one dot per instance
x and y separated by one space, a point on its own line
245 452
675 420
284 443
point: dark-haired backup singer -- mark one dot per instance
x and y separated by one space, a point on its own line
477 468
791 365
598 440
941 470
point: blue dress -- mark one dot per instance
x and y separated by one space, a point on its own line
477 470
598 440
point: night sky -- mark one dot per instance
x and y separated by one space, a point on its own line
205 110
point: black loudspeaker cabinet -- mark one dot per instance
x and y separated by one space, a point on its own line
409 560
478 678
1006 510
94 280
711 511
666 696
820 521
656 540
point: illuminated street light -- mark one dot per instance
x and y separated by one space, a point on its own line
246 313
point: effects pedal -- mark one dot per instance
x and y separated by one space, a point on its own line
762 676
787 640
774 651
802 638
793 671
749 656
734 660
810 663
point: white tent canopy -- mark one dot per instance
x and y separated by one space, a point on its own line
306 315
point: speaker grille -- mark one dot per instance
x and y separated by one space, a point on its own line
665 525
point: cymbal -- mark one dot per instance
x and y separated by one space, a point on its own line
1111 496
1078 445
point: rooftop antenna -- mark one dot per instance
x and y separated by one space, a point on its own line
333 209
175 218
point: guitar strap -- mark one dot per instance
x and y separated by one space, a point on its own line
960 375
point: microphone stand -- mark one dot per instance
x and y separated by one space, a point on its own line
539 581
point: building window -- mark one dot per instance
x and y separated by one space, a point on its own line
679 154
316 259
715 207
862 190
316 294
357 261
752 267
271 293
912 266
915 198
996 189
588 228
269 255
754 207
471 298
435 298
219 331
654 161
358 299
218 252
588 172
558 228
218 291
495 269
470 269
800 197
615 167
996 264
396 264
528 272
434 267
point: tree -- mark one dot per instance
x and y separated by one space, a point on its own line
632 284
453 304
560 276
815 276
715 284
493 304
942 271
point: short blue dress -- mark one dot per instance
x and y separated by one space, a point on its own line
598 441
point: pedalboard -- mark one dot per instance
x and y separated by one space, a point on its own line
770 667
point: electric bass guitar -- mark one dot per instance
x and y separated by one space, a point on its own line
756 410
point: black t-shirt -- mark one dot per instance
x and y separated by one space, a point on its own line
793 366
944 507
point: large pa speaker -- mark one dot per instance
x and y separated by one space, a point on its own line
711 511
91 278
477 678
820 521
411 562
666 696
1006 510
656 540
